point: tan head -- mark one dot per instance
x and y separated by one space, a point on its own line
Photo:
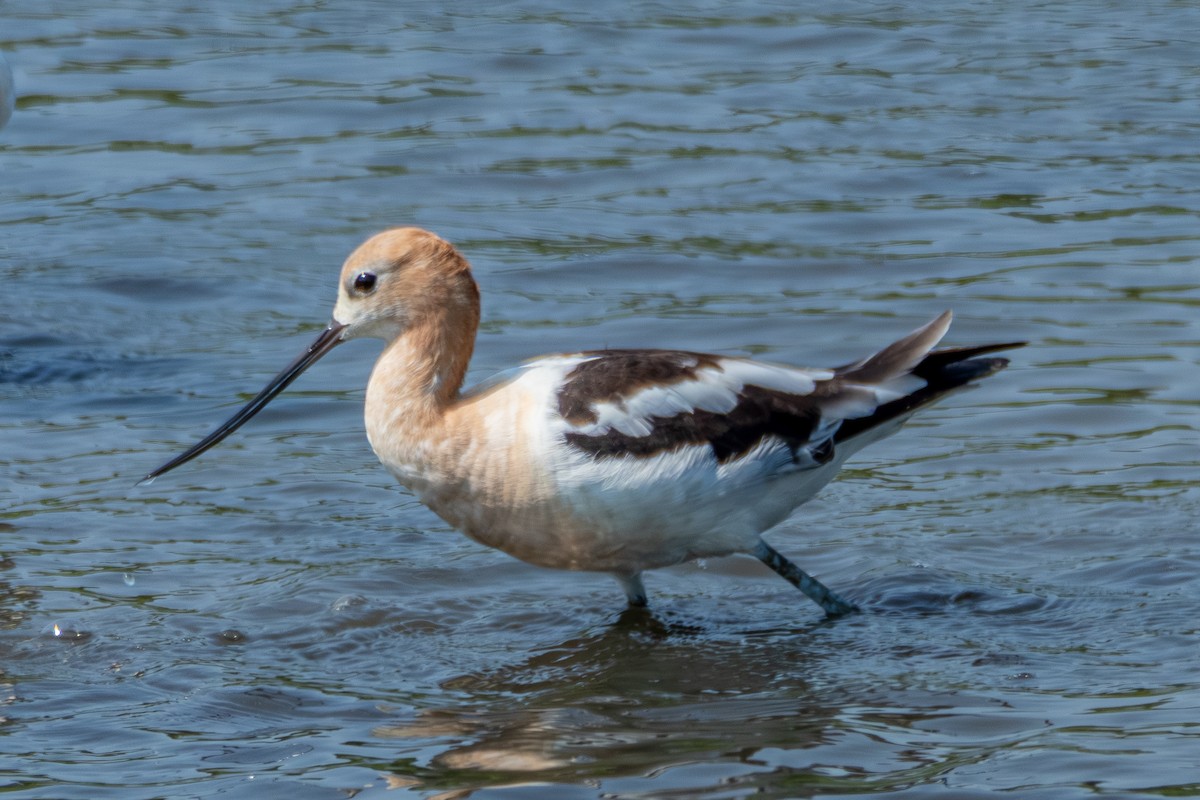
405 278
405 282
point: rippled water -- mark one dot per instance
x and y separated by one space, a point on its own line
180 186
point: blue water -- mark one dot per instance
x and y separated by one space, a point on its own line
179 187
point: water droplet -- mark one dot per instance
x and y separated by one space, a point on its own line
68 633
129 579
347 602
230 636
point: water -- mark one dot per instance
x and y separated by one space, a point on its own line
180 186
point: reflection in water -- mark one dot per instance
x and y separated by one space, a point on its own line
636 706
638 696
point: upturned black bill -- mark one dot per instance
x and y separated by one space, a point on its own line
329 338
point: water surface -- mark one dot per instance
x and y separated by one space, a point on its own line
180 186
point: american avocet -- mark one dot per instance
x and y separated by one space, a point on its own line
612 461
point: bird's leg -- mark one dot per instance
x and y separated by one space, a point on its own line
818 592
634 590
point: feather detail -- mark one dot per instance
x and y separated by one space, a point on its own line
639 403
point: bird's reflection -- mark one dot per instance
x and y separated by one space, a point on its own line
633 697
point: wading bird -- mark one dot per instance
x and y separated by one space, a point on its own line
614 461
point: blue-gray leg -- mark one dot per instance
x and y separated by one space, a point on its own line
634 590
818 592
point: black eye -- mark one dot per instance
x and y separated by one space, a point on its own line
364 282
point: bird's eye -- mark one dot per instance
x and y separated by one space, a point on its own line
364 282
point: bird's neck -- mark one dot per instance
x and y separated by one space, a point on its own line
420 373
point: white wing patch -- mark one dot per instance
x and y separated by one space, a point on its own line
716 390
791 380
631 416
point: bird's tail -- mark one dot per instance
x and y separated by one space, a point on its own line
940 372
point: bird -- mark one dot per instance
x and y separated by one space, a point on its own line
611 461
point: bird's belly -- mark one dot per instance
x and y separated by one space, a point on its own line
559 508
623 541
532 526
625 518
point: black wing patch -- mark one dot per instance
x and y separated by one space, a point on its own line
613 375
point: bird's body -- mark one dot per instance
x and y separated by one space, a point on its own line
508 467
614 461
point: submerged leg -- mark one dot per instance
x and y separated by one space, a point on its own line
634 590
818 592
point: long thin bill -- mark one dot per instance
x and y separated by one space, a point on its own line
328 339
